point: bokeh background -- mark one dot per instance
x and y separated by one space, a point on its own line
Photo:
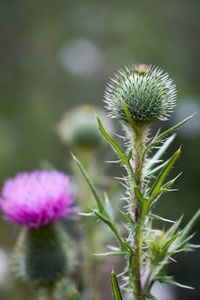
55 55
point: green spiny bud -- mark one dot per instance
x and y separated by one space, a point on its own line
78 128
148 93
41 255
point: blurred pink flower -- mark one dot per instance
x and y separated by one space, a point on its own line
36 198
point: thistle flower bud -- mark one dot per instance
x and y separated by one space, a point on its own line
147 91
43 256
78 128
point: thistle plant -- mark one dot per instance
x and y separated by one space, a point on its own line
138 96
36 200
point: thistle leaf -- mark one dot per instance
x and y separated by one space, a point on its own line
129 155
172 230
90 184
111 253
156 169
186 231
128 218
117 148
115 287
106 220
160 152
173 128
160 218
166 246
156 189
129 118
138 194
160 138
170 281
179 244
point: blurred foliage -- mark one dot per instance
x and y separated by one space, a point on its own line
36 86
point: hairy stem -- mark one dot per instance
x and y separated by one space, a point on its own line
138 143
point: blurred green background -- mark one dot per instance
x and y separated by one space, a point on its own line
55 55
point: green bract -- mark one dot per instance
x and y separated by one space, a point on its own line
147 91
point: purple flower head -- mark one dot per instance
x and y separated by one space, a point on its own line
36 198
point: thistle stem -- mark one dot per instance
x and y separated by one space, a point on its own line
137 260
138 145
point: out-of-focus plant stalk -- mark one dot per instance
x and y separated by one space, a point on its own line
89 243
89 259
91 278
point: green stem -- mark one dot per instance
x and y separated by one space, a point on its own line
137 262
138 145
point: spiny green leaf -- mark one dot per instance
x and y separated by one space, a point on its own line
181 245
90 184
171 231
166 246
156 169
117 148
106 220
173 128
160 138
138 194
115 287
128 115
186 231
170 183
169 280
129 155
160 218
115 253
134 225
129 219
156 189
160 152
112 142
165 187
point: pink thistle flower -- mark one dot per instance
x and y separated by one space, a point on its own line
36 198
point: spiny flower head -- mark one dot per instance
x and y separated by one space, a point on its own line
36 198
147 91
